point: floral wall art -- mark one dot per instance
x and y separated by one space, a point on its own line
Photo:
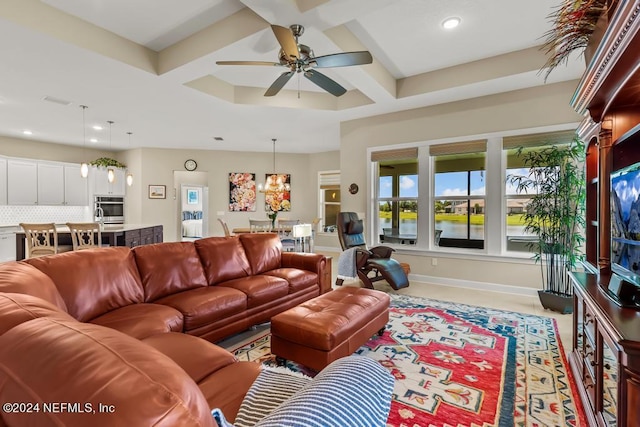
242 192
279 200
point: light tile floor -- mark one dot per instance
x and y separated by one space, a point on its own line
498 300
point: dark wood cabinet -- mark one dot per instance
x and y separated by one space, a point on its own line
158 234
605 359
132 238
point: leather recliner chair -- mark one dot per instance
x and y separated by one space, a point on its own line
376 260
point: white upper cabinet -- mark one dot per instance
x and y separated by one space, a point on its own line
22 182
31 182
75 186
102 186
50 184
3 181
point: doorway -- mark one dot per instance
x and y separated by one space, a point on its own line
192 204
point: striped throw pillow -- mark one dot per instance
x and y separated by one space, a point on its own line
353 391
273 386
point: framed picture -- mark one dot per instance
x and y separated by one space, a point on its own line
192 197
242 192
278 200
157 191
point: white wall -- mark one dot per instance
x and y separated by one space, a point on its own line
521 109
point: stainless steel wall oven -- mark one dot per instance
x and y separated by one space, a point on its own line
108 209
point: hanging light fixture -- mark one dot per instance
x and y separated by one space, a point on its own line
274 182
84 166
111 173
129 174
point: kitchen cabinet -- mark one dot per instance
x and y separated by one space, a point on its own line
22 182
30 183
50 184
132 238
102 186
7 245
75 187
157 234
3 181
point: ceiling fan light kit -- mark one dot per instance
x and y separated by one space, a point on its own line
299 58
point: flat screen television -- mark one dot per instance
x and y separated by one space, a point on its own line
625 223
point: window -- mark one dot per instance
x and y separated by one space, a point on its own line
329 182
459 193
452 197
397 196
517 239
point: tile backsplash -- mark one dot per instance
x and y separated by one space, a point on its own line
13 215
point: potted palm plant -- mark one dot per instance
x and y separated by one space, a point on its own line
555 214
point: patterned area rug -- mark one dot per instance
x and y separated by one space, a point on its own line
460 365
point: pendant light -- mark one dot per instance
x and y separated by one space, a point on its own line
111 173
129 174
84 166
274 183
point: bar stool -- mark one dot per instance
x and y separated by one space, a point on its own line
85 235
42 239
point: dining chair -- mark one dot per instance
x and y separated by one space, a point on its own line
42 239
225 227
85 235
284 228
260 225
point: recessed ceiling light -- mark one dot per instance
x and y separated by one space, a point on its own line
93 140
97 127
27 132
451 23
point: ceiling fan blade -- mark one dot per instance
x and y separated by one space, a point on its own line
286 40
325 83
343 59
272 64
279 83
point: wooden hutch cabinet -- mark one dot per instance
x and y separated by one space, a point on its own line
605 358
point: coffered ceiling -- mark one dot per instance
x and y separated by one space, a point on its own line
150 66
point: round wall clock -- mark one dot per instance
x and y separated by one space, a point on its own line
353 188
190 165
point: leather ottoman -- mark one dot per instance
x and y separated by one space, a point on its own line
330 326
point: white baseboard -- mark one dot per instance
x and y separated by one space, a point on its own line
468 284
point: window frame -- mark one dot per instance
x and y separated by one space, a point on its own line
495 246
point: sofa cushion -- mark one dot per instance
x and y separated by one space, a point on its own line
90 364
227 387
260 289
203 306
223 258
263 250
93 282
168 269
22 278
297 279
199 358
142 320
19 308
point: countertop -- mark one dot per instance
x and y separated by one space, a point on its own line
62 228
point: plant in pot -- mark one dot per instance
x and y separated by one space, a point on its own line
555 215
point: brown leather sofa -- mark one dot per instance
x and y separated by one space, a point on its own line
122 327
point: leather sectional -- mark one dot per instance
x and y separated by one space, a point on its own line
133 328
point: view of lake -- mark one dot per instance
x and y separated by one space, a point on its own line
450 229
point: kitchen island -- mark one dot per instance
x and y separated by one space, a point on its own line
112 235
